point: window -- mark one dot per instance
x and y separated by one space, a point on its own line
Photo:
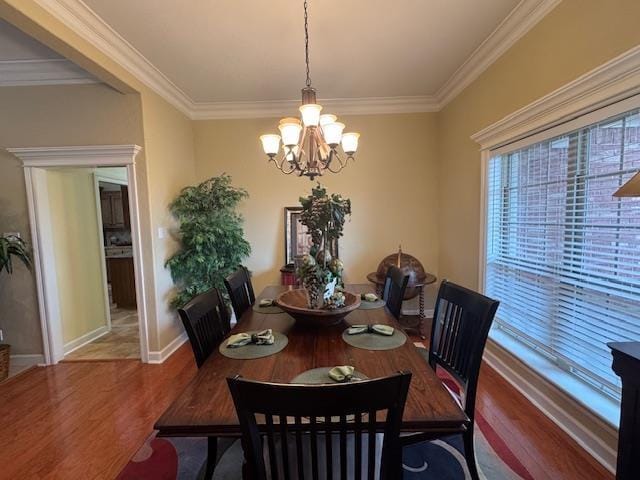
563 255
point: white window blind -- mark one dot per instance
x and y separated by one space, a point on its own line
563 255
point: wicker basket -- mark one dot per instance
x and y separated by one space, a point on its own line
4 361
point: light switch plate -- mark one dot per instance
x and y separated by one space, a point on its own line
162 232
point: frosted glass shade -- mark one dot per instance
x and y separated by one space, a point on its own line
350 142
333 133
327 118
290 133
310 114
270 144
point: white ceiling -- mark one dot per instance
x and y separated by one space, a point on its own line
249 50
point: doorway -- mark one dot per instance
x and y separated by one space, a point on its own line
69 242
121 341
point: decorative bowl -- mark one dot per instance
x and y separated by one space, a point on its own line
295 303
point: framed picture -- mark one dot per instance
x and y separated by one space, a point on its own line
297 241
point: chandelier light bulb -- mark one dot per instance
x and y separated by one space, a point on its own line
310 114
290 133
333 133
350 142
270 143
327 118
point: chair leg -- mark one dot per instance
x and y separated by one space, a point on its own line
469 454
212 457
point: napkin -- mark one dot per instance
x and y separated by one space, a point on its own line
265 337
369 297
376 328
342 373
266 302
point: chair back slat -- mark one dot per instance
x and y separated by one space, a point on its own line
206 320
240 291
395 285
322 429
461 322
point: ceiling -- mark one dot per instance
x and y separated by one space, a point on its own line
26 62
250 50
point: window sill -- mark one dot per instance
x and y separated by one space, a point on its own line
598 403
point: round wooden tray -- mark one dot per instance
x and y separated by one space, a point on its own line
295 302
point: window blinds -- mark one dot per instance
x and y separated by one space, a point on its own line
563 255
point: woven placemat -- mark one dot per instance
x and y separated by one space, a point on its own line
319 376
251 351
365 305
375 341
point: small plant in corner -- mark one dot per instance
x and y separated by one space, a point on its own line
211 236
11 247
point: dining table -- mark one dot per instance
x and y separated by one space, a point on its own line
205 407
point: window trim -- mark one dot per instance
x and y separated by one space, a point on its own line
610 83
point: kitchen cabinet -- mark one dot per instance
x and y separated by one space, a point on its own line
115 208
122 278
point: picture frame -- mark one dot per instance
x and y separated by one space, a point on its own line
297 241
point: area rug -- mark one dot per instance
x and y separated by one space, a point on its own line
184 458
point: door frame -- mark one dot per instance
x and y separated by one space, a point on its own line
35 161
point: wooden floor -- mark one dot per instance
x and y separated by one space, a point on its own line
84 420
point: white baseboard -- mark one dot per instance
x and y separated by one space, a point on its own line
166 352
593 434
85 339
27 360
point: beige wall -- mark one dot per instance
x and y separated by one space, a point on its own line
577 36
392 185
169 144
77 251
49 116
18 299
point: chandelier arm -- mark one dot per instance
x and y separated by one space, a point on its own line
333 155
281 166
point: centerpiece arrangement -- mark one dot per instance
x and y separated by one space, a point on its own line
322 301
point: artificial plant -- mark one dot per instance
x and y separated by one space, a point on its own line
12 246
324 216
211 235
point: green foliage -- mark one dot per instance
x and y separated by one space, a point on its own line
324 217
212 237
13 247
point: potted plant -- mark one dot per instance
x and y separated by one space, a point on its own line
324 216
11 246
211 236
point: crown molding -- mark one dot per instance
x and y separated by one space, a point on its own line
96 155
77 16
611 82
55 71
342 106
521 19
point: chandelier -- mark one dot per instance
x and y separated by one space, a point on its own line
310 145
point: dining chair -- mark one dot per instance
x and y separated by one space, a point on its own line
395 284
240 291
322 431
461 322
206 320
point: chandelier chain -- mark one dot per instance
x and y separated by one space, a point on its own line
306 42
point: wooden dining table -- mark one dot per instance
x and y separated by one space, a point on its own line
205 407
